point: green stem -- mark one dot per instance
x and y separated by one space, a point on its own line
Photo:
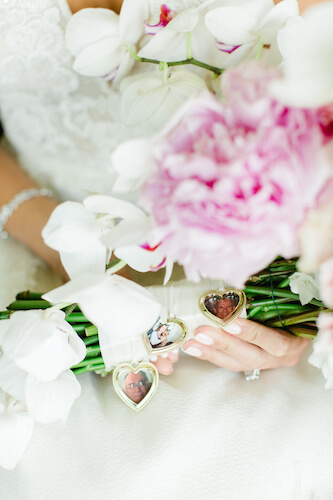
115 265
90 340
4 315
80 327
284 283
91 330
93 352
88 362
77 317
27 295
260 290
188 46
302 331
91 368
297 319
258 54
267 302
20 305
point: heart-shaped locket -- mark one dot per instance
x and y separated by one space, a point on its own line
222 306
135 384
165 336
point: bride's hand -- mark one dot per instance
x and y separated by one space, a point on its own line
165 365
246 345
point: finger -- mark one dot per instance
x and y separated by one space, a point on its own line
173 356
208 353
274 341
212 342
164 365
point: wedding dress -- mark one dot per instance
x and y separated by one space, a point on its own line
207 433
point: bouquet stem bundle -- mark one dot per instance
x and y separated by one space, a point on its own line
269 301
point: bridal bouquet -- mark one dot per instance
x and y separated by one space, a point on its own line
235 185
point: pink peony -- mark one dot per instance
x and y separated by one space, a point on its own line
232 182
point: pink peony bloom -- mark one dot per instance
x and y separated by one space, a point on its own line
322 356
232 182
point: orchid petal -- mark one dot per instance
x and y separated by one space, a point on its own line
131 159
51 401
275 19
186 83
185 21
124 67
100 58
140 259
140 100
93 259
43 343
15 433
115 207
12 378
70 228
132 16
127 232
88 26
168 270
166 45
231 25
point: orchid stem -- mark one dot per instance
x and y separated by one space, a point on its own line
189 60
188 46
258 54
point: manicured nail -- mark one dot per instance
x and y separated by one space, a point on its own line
193 351
203 338
232 328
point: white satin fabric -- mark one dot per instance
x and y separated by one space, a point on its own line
207 433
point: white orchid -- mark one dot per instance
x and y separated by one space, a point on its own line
129 237
241 30
306 286
75 233
120 309
39 347
154 97
16 426
41 343
186 36
322 356
101 41
131 160
307 48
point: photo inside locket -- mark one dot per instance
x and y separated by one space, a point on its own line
222 306
136 385
164 334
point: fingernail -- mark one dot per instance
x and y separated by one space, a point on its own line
232 328
193 351
203 338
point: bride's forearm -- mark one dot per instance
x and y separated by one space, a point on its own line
28 220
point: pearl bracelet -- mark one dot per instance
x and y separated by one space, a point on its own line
7 210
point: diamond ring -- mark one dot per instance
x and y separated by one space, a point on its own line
252 375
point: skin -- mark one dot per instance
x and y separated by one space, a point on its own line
137 393
223 308
256 346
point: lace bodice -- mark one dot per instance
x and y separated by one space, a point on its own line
62 125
